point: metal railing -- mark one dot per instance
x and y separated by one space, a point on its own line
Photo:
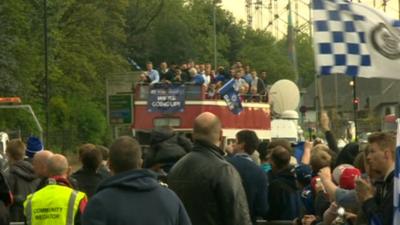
259 222
275 222
195 92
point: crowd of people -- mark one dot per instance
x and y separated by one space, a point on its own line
202 181
248 83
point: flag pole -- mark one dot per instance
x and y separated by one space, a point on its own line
399 9
355 107
291 42
320 97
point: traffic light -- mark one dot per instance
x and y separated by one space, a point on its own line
356 103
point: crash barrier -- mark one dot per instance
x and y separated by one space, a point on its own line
275 222
259 222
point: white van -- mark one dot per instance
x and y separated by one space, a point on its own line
3 144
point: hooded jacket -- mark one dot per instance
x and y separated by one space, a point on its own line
210 188
166 148
22 181
134 197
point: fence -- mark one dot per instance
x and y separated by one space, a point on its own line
260 222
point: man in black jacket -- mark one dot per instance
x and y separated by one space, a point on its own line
378 205
88 176
132 196
210 187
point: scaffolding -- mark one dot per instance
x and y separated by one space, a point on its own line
272 15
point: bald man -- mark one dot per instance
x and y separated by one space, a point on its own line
209 186
56 203
39 163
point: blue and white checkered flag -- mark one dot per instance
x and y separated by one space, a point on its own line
353 39
396 194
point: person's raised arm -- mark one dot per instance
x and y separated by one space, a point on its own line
305 159
330 138
326 179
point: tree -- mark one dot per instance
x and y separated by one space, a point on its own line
92 39
87 42
305 55
264 53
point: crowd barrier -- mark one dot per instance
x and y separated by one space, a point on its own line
275 222
259 222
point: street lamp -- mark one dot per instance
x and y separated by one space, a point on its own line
355 103
215 30
46 73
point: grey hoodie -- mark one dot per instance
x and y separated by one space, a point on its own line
134 197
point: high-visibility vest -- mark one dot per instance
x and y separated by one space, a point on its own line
53 204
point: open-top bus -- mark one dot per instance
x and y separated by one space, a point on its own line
255 115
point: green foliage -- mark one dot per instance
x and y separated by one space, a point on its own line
18 122
91 123
264 53
90 40
87 42
305 55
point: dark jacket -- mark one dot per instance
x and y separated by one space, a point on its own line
348 154
88 180
260 87
22 181
209 187
5 200
255 185
134 197
166 148
168 75
331 140
283 196
379 209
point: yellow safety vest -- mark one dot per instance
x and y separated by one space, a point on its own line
51 205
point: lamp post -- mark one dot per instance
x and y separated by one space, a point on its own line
46 77
215 31
355 102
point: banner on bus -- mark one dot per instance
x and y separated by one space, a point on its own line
166 98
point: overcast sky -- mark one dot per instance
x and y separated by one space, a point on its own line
237 7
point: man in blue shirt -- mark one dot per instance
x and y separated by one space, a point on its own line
153 74
248 77
197 78
253 177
